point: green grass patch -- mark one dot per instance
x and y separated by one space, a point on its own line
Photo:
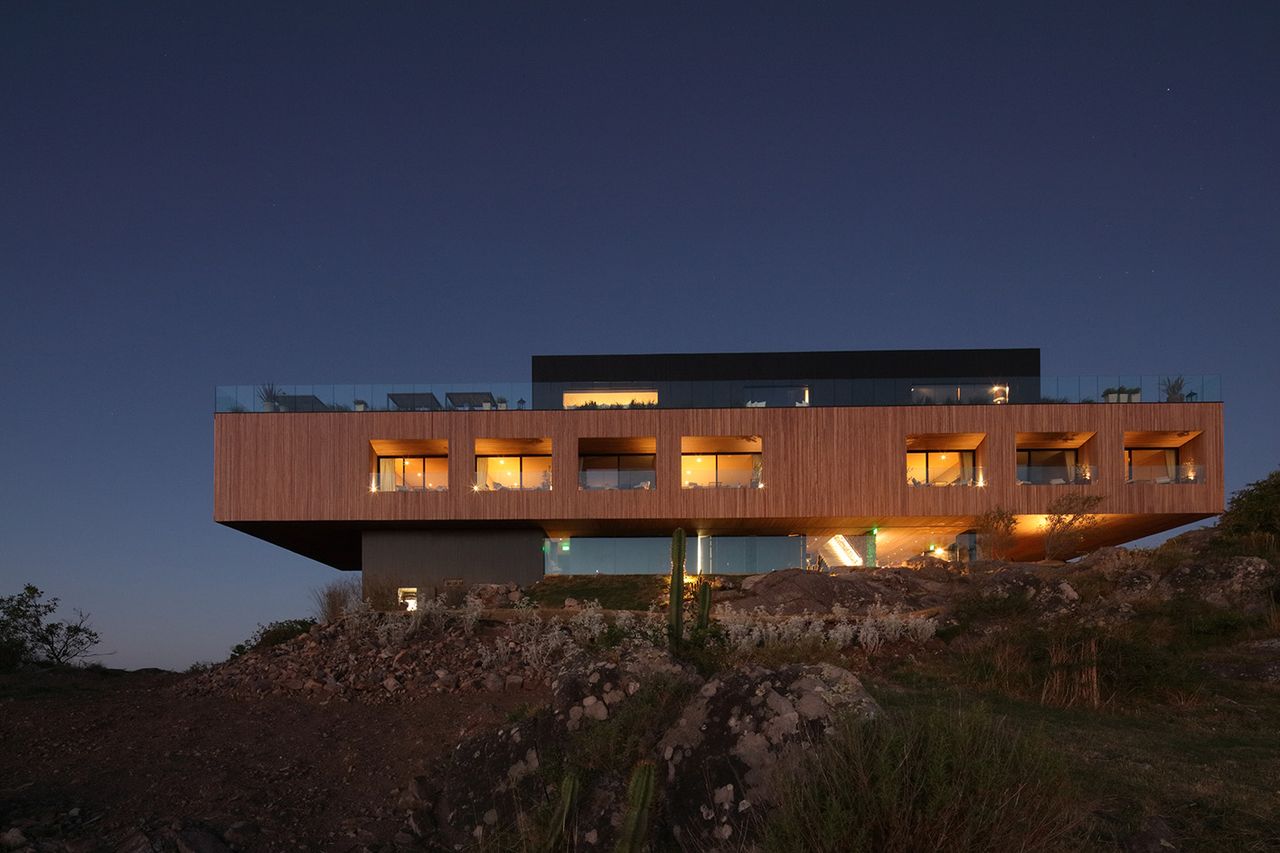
614 592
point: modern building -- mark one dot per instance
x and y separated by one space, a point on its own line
768 460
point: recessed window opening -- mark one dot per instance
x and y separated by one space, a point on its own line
721 462
620 471
1050 466
520 473
1158 465
411 474
941 468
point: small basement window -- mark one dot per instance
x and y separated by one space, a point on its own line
407 598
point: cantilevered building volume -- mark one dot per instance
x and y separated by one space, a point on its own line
769 460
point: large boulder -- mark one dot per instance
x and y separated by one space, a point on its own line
722 756
716 760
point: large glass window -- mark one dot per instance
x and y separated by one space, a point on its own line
520 473
611 399
1054 467
1151 464
411 474
721 470
585 555
941 468
616 471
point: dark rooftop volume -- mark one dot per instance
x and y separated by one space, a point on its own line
846 364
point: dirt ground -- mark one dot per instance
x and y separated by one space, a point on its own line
288 773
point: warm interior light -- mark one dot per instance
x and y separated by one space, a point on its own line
844 551
609 398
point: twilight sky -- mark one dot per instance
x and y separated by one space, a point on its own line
203 193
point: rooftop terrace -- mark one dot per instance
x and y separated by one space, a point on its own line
718 394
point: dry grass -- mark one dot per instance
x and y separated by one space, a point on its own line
930 779
336 598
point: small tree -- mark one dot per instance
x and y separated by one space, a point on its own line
26 634
1071 517
1254 509
995 529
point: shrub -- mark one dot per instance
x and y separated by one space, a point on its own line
995 529
272 634
939 780
334 599
1071 517
1254 509
27 635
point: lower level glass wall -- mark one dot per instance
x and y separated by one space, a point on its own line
619 555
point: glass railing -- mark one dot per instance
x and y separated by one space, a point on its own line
393 483
969 477
511 483
608 479
1150 388
1055 475
753 483
721 394
1186 473
438 397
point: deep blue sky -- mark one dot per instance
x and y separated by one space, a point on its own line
205 193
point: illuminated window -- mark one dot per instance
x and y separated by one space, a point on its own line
1151 464
720 470
941 468
411 474
721 462
611 399
407 597
521 473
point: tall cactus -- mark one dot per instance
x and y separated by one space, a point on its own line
635 825
675 607
560 820
704 607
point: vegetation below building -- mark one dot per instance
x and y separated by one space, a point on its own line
1124 701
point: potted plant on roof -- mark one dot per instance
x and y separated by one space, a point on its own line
270 396
361 405
1174 389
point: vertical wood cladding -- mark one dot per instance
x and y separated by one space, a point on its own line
821 465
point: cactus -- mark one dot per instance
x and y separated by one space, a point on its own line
704 607
560 819
675 607
635 825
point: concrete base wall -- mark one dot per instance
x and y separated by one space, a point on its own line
428 560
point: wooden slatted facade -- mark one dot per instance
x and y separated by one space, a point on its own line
302 480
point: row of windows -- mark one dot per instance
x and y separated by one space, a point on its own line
627 471
595 472
1047 467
